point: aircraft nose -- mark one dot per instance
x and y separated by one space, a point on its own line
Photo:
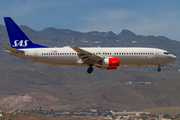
173 57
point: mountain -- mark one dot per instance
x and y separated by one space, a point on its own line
126 33
68 87
163 37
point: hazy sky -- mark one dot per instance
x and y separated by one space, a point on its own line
143 17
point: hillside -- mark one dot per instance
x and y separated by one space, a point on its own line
71 87
34 116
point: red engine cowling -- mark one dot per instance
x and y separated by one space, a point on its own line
110 64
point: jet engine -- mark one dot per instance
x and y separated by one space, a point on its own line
110 64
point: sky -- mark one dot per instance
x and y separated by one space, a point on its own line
142 17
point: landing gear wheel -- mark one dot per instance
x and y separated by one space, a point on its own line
159 69
90 69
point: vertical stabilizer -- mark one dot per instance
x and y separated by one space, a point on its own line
17 37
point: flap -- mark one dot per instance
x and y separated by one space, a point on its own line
83 52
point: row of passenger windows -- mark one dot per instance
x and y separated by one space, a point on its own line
125 53
133 53
99 53
59 53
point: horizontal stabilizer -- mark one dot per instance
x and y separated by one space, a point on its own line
12 49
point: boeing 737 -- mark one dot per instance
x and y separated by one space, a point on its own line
105 58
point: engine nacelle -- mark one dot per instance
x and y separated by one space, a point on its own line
110 64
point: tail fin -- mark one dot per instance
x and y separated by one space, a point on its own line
17 37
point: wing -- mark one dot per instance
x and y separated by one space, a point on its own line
86 57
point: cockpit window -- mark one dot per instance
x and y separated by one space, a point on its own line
166 53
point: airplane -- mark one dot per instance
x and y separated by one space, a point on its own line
105 58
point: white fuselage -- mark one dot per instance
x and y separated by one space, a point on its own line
126 55
106 58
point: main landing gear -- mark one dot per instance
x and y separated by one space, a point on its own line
159 69
90 69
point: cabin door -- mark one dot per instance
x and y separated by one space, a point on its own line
157 54
35 54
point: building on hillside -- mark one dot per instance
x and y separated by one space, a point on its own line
65 113
11 111
93 110
141 83
144 83
165 119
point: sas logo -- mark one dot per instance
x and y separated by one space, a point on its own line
21 43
